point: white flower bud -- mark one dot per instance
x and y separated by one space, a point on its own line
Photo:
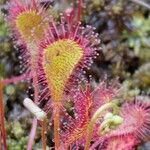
34 109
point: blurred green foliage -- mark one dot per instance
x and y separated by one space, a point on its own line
139 39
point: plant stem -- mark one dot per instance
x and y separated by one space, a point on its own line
41 116
16 79
32 134
95 117
43 132
56 115
79 10
35 86
2 120
34 122
32 47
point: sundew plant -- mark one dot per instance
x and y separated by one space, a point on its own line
55 53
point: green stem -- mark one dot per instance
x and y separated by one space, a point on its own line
94 119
